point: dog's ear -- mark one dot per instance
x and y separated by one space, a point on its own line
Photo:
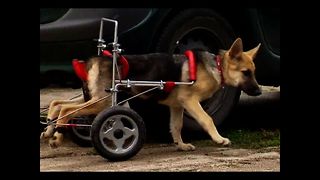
253 52
236 48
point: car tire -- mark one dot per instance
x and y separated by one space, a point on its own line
119 144
206 30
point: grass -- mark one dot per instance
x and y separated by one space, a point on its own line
249 139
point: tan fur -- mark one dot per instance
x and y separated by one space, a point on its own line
189 97
182 97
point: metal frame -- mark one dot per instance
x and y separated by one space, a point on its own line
116 83
127 83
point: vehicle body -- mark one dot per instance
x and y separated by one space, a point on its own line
66 34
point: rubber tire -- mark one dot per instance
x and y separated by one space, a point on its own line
80 141
188 22
100 119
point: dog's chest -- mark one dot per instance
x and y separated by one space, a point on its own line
208 82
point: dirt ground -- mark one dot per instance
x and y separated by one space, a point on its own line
162 158
154 157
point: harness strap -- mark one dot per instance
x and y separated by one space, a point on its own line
192 65
219 67
123 62
80 69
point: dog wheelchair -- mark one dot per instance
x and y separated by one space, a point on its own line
117 133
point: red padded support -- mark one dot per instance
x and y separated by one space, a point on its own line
106 53
169 86
80 69
123 62
192 65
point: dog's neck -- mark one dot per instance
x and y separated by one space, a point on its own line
215 65
218 60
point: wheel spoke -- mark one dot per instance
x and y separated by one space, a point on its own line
129 132
119 144
108 134
117 124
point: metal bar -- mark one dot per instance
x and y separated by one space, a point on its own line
184 83
114 53
151 89
151 82
100 40
74 125
114 61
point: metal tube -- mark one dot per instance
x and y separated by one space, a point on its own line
74 125
114 60
136 83
114 53
151 89
115 38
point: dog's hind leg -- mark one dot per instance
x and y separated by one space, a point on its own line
95 108
53 113
176 123
193 106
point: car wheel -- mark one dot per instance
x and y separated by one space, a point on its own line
206 30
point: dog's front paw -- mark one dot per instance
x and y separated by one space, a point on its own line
186 147
224 142
56 140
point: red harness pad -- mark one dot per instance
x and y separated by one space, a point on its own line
80 69
192 65
169 86
192 71
123 62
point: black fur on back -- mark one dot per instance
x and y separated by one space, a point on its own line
151 67
155 67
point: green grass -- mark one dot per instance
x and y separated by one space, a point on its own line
250 139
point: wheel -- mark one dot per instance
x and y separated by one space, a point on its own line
118 133
206 30
81 134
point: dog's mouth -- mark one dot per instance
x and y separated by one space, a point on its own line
255 92
252 90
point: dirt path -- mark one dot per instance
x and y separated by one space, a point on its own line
161 157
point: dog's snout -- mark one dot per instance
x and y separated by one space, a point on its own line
257 92
252 90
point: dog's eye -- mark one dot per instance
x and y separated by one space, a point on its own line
246 73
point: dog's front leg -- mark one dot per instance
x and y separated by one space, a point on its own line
193 106
176 123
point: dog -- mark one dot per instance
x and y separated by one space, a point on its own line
236 69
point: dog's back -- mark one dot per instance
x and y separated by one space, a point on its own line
155 67
148 67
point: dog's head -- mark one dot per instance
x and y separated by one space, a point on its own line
239 68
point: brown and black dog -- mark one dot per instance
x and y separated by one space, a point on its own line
237 69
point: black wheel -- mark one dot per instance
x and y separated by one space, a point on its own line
118 133
206 30
81 134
